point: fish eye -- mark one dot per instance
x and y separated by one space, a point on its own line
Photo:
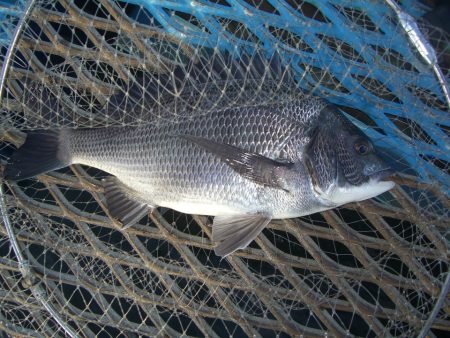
362 147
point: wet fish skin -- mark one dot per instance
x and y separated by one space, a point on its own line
167 170
276 161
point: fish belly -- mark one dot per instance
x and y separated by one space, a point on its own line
214 191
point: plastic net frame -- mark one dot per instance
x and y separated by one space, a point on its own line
375 268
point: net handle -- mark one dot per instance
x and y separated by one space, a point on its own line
440 302
28 8
30 281
421 44
33 284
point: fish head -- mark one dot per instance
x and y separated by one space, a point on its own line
343 164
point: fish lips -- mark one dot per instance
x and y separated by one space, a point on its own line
382 174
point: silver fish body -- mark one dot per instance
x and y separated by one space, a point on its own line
167 170
244 165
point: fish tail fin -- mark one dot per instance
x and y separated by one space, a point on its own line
43 151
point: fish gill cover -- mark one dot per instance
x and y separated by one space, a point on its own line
373 268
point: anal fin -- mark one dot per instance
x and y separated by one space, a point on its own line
236 232
122 202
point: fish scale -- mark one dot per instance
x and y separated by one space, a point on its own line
166 169
244 165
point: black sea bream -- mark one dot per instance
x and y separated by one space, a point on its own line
243 165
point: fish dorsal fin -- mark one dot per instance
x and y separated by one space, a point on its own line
122 202
252 166
236 232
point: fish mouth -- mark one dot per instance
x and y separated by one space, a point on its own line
382 174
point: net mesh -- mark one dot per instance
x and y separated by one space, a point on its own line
373 268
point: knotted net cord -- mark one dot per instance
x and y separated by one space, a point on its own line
371 268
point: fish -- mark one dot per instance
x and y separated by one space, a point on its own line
219 147
244 165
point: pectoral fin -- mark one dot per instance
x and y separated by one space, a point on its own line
122 202
236 232
252 166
